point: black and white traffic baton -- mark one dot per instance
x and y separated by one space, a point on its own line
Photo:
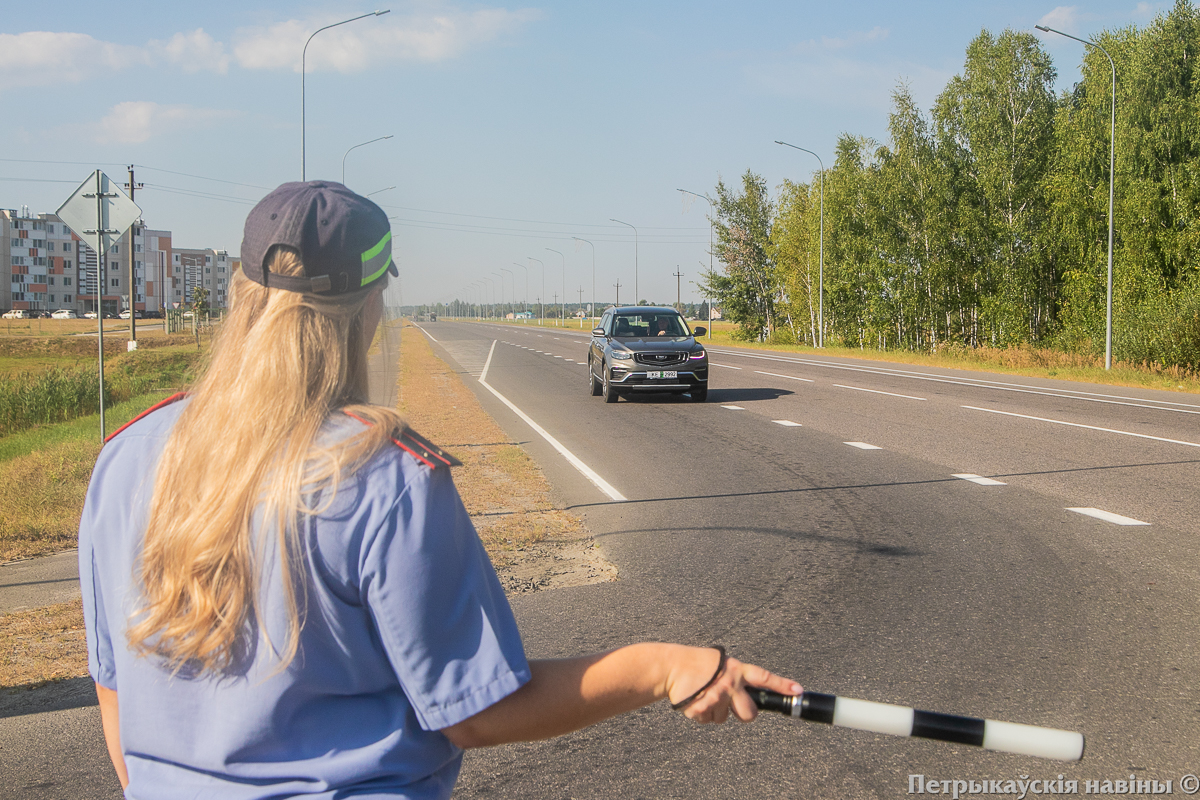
864 715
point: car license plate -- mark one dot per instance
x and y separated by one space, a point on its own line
670 373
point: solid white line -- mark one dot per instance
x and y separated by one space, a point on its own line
724 366
422 330
982 481
876 391
777 375
863 445
575 461
1108 516
488 363
1089 427
734 408
787 423
982 383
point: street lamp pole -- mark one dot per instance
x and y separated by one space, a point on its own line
821 278
512 275
1112 150
303 62
593 314
562 314
501 277
525 303
635 258
542 296
380 139
491 286
707 299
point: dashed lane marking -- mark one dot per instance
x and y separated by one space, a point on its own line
734 408
1108 516
777 375
863 445
787 423
876 391
982 481
723 366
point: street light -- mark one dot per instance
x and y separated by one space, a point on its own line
1112 149
821 278
711 222
635 258
501 277
485 296
542 298
303 57
563 313
361 144
576 238
525 303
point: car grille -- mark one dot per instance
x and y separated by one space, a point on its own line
660 359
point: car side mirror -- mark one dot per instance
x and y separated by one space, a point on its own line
699 330
597 331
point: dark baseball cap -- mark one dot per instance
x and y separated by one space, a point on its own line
344 240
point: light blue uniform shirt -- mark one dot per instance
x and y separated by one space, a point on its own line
407 632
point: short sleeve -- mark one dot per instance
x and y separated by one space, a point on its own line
441 613
101 665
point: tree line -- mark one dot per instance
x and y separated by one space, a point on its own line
985 221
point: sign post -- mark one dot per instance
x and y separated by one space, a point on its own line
99 213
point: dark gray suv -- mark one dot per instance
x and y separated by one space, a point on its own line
646 349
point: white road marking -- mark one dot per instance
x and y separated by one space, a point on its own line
983 383
575 461
863 445
723 366
734 408
1089 427
777 375
422 330
876 391
787 423
1108 516
558 356
982 481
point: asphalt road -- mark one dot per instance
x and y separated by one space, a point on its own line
870 573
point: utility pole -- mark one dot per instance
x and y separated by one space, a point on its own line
677 275
618 285
581 307
132 186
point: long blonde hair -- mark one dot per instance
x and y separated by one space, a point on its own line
281 364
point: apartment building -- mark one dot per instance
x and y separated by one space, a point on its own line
44 267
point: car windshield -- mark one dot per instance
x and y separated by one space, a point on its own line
648 324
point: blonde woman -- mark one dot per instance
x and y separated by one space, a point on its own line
284 595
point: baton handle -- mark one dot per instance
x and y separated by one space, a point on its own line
864 715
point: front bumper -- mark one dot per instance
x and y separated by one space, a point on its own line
634 379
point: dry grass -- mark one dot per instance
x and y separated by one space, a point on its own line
504 491
42 645
41 498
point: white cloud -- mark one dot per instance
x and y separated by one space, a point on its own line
1063 18
357 46
136 121
193 52
47 57
853 39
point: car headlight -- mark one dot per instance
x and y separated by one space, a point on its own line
699 354
621 355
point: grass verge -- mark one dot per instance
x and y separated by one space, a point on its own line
504 491
42 645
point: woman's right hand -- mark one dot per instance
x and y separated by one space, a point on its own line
692 667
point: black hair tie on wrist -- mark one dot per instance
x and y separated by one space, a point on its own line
720 668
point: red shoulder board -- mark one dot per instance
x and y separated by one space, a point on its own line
172 399
418 447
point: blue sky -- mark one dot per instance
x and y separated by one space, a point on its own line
515 127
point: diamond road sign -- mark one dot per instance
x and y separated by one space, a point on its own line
99 212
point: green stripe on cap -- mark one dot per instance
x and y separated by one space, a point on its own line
376 260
